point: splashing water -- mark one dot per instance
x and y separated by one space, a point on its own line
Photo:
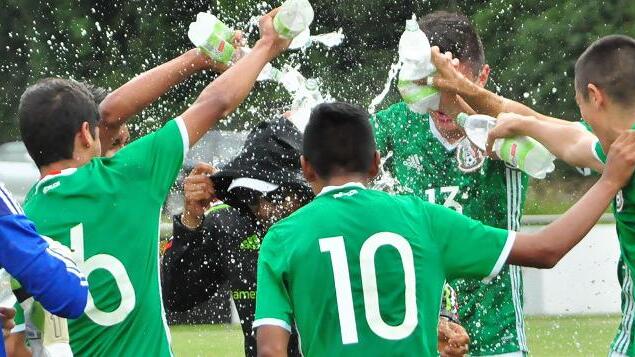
385 181
392 74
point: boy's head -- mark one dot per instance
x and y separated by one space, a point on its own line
453 32
605 79
338 142
58 122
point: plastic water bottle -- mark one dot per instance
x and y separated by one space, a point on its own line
213 37
416 64
304 101
522 152
294 17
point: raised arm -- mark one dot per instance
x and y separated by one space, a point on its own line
483 101
570 143
143 90
231 88
543 249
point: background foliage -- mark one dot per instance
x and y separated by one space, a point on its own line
531 46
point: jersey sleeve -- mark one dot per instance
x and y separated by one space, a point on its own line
273 304
469 249
156 158
190 270
51 278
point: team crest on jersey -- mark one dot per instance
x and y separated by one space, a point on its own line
619 201
468 157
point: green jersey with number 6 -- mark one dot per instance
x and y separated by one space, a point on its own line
360 270
459 177
108 212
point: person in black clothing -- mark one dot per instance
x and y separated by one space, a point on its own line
260 186
218 245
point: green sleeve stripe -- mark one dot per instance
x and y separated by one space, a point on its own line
217 208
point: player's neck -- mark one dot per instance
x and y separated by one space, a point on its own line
620 121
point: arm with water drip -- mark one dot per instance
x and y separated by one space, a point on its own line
568 141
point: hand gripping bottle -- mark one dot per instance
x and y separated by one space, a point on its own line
415 57
213 37
294 17
522 152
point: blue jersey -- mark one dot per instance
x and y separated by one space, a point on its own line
52 279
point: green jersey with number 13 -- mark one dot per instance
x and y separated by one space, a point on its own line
360 270
107 212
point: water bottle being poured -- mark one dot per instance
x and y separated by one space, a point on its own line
416 58
522 152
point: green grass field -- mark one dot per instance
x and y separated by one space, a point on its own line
562 337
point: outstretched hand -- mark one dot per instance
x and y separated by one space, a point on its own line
453 339
620 162
199 194
507 125
269 36
448 77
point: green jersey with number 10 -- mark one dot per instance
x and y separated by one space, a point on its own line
107 212
360 270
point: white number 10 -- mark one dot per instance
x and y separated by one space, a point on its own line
344 295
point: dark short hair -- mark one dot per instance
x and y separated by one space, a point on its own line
452 31
339 139
98 93
51 112
609 63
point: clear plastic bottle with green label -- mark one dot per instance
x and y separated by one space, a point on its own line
416 64
522 152
213 37
294 17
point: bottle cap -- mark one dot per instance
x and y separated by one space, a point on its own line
461 119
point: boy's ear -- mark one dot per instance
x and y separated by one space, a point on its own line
483 75
596 96
85 136
374 168
307 170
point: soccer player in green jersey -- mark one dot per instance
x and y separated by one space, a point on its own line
115 109
605 93
107 209
360 271
432 158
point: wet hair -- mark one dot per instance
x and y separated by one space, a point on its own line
609 63
50 114
98 93
452 31
339 139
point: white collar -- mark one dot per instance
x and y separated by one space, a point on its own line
328 189
435 132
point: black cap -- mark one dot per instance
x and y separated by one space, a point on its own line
271 153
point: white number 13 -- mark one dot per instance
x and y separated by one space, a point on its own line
344 296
